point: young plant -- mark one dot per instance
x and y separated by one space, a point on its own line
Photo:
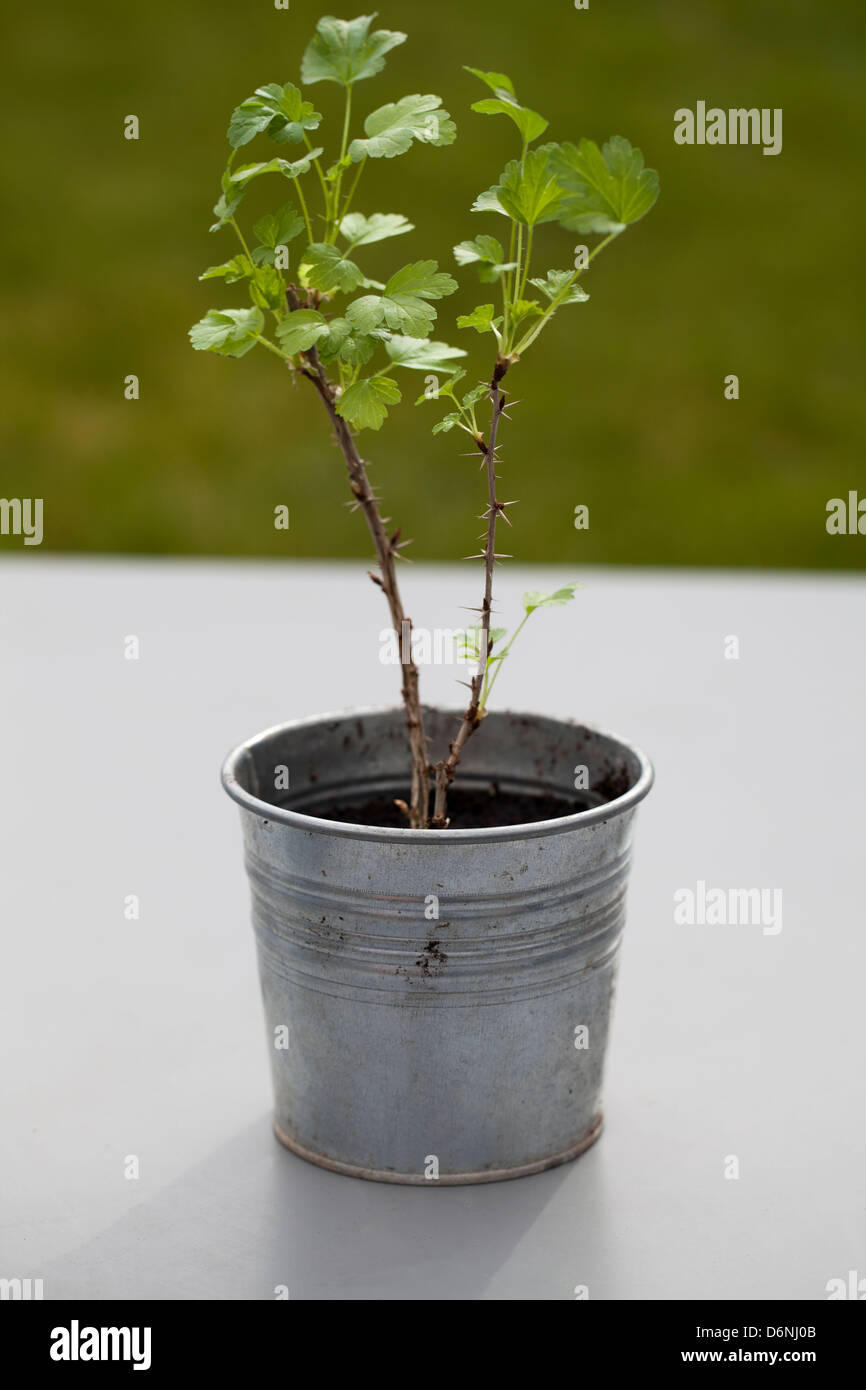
334 349
584 190
329 323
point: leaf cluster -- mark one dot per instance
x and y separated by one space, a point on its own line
394 318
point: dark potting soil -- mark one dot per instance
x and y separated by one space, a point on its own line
468 809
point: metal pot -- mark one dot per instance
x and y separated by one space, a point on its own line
437 1001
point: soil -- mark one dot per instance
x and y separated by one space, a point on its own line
468 809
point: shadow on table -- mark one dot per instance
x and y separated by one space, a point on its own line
253 1217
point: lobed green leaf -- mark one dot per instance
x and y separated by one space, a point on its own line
344 51
529 190
281 111
423 356
605 189
229 332
535 598
291 170
362 231
238 268
277 228
391 130
365 403
300 330
554 283
481 319
327 268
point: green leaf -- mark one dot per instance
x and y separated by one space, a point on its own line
267 288
481 319
489 202
391 130
344 341
404 302
421 355
525 309
230 332
555 282
487 253
327 268
498 82
366 313
504 102
344 51
606 189
447 422
281 111
365 403
276 228
529 123
301 330
225 208
530 192
361 231
242 176
482 248
238 268
476 394
534 598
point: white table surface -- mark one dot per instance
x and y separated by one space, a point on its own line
145 1038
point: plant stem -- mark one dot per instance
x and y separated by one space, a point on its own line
507 286
306 214
351 194
272 347
334 207
555 303
318 167
475 711
486 693
240 236
386 553
526 267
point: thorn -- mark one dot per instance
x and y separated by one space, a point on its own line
375 578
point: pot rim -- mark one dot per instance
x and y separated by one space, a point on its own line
282 815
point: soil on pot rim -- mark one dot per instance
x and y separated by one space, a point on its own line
469 808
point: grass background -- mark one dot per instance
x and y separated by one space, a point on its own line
748 264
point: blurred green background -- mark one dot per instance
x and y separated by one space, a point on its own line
748 264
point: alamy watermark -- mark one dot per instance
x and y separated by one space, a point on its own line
439 646
22 516
720 907
737 126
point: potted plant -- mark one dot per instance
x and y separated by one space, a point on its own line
437 895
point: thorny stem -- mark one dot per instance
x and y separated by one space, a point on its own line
386 553
474 713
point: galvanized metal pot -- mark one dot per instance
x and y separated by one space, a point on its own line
437 1001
